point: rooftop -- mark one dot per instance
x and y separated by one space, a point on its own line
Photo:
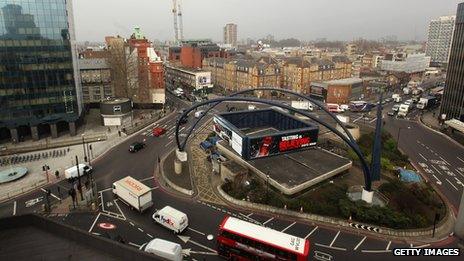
345 81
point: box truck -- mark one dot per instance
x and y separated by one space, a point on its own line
403 110
134 193
71 173
163 248
427 102
171 218
396 97
302 105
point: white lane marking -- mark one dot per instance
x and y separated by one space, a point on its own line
421 246
132 224
105 190
14 208
154 188
95 221
435 168
149 235
452 184
134 244
267 221
458 181
388 246
196 231
331 247
373 120
335 238
422 156
181 129
445 161
141 230
357 119
312 231
97 234
145 179
53 195
167 144
376 251
120 211
436 178
249 215
360 242
460 159
288 227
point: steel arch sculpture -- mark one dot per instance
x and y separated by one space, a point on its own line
181 147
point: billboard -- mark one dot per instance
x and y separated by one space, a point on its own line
234 140
277 144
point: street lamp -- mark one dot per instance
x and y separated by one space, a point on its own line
83 147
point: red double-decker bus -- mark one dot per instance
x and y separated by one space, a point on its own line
241 240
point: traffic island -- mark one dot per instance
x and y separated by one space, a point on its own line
180 182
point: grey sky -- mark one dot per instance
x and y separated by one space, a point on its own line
303 19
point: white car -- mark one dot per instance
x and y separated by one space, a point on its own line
344 107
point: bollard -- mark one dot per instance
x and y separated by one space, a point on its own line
177 166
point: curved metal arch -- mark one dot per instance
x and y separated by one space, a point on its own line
366 171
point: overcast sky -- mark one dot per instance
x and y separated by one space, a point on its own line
302 19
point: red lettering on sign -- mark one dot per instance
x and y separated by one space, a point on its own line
133 184
294 144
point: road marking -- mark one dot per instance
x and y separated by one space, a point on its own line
112 215
376 251
95 221
132 224
310 233
154 188
44 190
452 184
288 227
445 161
145 179
149 235
267 221
181 129
360 242
120 211
249 215
141 230
357 119
196 231
104 190
460 159
435 168
14 208
373 120
331 247
388 246
134 244
335 238
186 239
436 178
167 144
97 234
421 246
422 156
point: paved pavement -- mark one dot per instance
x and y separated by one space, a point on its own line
204 217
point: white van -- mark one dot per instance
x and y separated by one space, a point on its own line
171 218
71 173
200 113
163 248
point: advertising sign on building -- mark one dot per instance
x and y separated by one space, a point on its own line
274 145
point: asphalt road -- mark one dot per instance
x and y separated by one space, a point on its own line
136 229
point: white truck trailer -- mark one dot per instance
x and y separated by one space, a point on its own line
134 193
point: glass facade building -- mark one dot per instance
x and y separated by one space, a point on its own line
453 96
39 83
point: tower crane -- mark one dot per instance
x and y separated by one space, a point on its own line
181 24
178 23
174 16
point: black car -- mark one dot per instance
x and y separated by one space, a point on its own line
136 146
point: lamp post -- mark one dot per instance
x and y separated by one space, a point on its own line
79 179
83 147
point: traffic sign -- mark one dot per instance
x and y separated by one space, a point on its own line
106 225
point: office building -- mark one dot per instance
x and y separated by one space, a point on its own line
439 39
453 97
230 34
95 76
409 63
39 79
192 81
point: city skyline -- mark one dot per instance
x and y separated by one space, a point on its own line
333 20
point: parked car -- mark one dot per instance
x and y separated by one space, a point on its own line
136 146
200 113
391 113
158 131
